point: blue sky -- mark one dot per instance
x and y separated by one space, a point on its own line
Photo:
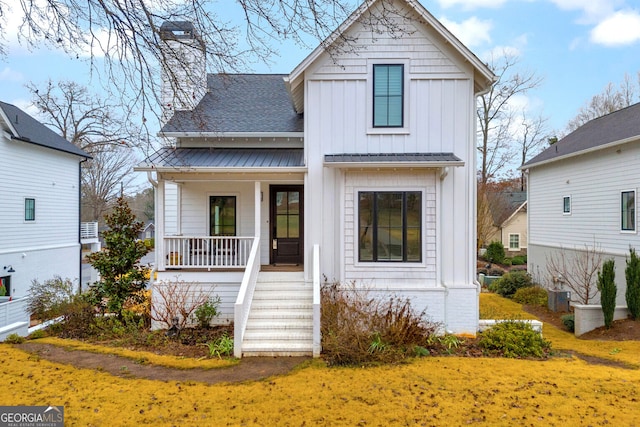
577 46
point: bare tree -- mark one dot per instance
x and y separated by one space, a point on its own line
100 127
122 39
577 270
496 115
103 179
611 99
533 136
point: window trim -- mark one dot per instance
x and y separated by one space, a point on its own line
564 211
382 130
237 213
635 212
31 209
509 246
403 261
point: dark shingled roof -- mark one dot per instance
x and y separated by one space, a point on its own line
505 204
617 126
32 131
245 103
391 157
227 158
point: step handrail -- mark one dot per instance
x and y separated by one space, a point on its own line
242 306
317 345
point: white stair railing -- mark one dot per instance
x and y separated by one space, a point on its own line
242 306
317 344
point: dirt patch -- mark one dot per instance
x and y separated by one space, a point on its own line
249 368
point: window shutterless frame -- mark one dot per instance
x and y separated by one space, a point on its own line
566 205
388 95
29 209
628 210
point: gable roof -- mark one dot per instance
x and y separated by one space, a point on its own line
25 128
483 76
506 205
239 104
615 128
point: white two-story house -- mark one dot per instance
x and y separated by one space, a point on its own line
40 210
357 167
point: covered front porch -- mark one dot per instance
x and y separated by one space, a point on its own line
218 229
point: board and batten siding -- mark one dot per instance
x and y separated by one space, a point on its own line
49 245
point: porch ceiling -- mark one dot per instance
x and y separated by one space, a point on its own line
240 159
377 160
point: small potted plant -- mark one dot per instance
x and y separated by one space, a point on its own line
3 293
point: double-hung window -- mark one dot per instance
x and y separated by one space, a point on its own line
628 210
223 215
514 242
390 226
29 209
388 94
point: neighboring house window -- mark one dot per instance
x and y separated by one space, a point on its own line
566 205
29 209
514 242
628 210
388 91
223 215
390 226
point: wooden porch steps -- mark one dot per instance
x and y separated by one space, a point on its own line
281 318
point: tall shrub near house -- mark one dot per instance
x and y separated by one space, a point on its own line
121 275
607 288
632 294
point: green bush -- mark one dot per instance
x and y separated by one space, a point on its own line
509 283
14 339
150 243
632 294
569 322
607 288
506 261
519 260
40 333
207 311
495 252
223 346
531 295
514 339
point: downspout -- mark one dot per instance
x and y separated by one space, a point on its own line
80 220
154 184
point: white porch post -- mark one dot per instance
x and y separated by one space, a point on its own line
258 199
159 221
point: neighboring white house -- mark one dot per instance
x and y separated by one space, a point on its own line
582 191
40 211
358 166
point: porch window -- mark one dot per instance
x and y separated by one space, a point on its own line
628 210
222 210
388 88
29 209
390 226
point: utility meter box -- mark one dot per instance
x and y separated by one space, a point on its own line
558 301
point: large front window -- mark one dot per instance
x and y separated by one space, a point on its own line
223 215
388 88
628 210
390 226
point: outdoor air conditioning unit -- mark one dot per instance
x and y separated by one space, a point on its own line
558 300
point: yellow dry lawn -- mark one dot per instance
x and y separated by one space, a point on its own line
440 391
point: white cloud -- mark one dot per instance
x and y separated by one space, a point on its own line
472 32
621 28
10 75
593 11
472 4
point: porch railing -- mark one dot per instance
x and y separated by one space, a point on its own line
207 251
89 230
317 345
242 306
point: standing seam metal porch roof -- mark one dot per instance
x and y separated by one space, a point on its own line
221 158
393 159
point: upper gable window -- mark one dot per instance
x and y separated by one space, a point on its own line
388 94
